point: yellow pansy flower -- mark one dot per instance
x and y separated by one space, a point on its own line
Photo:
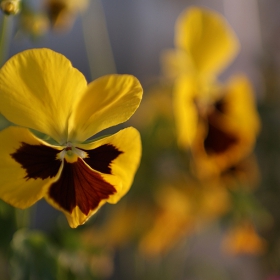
42 92
175 220
205 45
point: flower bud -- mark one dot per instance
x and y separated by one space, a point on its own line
10 7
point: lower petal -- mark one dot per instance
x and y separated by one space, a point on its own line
24 177
104 175
80 191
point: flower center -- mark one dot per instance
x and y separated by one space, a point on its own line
71 153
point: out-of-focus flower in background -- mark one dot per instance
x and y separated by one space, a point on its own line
10 7
34 24
218 122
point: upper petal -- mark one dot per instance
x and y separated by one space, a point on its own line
38 88
207 38
108 101
28 166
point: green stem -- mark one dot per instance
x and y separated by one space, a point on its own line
25 217
4 39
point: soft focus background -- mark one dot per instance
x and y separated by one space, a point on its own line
150 234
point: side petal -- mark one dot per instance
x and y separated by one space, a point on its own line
185 111
28 166
38 88
241 105
207 38
108 101
124 166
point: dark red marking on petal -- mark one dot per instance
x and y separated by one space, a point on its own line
218 141
39 161
221 106
80 186
100 158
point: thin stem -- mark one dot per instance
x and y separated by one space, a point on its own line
26 218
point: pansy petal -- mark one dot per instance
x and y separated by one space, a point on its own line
80 191
207 38
240 104
28 166
127 143
38 88
185 111
108 101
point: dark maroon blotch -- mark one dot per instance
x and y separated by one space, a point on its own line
80 186
218 141
100 158
39 161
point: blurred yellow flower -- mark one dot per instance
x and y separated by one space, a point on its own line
42 92
243 239
174 221
217 122
35 24
182 211
10 7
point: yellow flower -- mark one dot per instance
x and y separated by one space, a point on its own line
219 123
10 7
183 212
205 45
243 239
42 92
175 220
34 23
